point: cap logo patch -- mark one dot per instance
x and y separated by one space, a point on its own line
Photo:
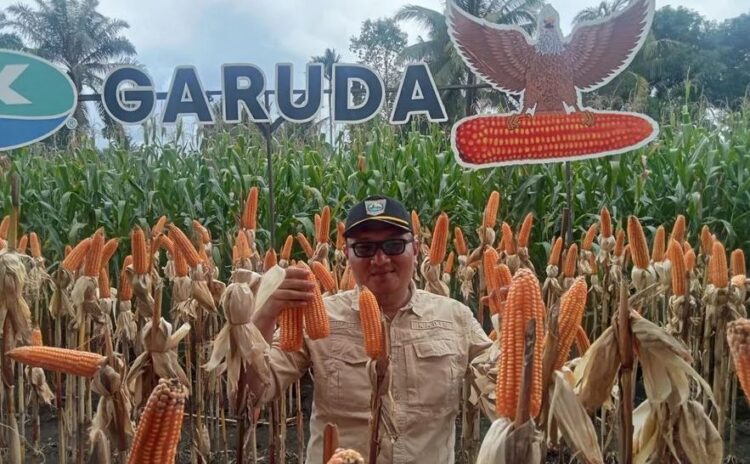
375 207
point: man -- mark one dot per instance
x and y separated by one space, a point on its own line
432 341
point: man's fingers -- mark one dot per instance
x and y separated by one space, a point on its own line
289 296
297 273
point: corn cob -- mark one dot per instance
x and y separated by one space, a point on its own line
588 239
554 255
23 243
68 250
659 246
316 227
372 329
290 325
678 229
718 274
4 226
109 250
737 262
504 276
158 432
490 210
324 276
416 225
509 241
347 279
524 303
201 232
340 240
317 324
250 212
582 341
738 336
139 251
104 290
243 247
126 290
571 260
637 241
679 273
286 250
449 263
73 362
572 304
690 261
439 241
166 243
36 337
181 268
460 242
489 261
309 252
525 232
74 260
619 243
270 259
159 226
605 222
93 261
325 226
706 241
626 255
186 247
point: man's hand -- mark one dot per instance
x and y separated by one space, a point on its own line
295 291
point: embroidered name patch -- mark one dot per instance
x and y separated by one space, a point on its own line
343 325
424 325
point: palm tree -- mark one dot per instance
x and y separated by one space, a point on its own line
605 8
8 39
328 59
438 51
73 34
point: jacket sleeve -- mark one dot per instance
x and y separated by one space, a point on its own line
283 369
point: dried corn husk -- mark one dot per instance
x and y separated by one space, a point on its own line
38 381
596 373
184 307
126 330
432 276
506 444
112 419
573 421
59 304
12 303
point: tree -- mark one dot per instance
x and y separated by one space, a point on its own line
328 58
438 51
73 34
605 8
9 40
379 45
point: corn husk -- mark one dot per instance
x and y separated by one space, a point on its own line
59 304
573 421
505 444
433 282
12 303
184 306
596 373
38 382
126 330
112 419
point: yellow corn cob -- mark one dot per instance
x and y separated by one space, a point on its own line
325 226
678 229
582 341
525 232
718 274
657 251
23 243
286 250
509 241
588 239
125 292
637 241
439 241
317 324
460 242
270 260
36 337
372 329
490 210
159 226
250 212
185 245
139 251
679 273
690 261
243 247
416 226
74 362
738 336
571 260
340 240
74 260
707 241
737 262
309 252
572 304
324 276
523 304
104 290
94 256
290 329
449 263
201 232
605 222
619 243
158 432
554 255
4 226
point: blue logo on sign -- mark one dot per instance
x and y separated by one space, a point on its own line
36 99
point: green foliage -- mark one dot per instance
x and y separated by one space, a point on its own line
378 45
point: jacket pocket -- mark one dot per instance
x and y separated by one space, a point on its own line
348 382
433 374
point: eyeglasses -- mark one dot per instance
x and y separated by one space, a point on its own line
391 247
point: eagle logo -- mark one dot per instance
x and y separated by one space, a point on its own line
548 74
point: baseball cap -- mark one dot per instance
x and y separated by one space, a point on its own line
378 208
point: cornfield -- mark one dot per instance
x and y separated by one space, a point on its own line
128 276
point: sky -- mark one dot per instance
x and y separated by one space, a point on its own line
208 33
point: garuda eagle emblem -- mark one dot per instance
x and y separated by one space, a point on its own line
550 71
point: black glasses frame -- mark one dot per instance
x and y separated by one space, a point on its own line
391 247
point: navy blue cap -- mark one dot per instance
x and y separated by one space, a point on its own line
378 208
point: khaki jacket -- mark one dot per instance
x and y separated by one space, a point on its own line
433 339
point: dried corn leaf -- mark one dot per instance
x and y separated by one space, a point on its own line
505 444
597 371
574 422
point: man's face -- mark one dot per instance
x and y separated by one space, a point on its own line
383 274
